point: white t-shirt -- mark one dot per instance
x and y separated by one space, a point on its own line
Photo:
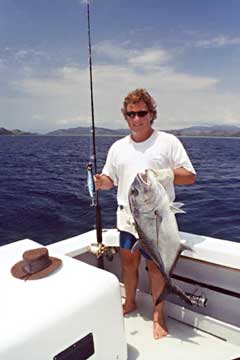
126 158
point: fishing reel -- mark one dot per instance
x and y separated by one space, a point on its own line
198 300
100 250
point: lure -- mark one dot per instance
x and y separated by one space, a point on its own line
91 184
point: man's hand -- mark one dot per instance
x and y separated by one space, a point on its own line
102 182
183 176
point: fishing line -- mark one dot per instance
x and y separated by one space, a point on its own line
92 164
93 155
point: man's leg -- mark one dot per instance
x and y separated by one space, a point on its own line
130 264
157 283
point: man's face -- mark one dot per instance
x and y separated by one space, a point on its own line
138 117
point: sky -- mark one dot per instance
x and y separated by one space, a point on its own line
186 53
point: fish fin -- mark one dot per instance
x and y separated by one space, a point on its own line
176 208
178 204
136 246
185 247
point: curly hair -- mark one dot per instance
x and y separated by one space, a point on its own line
135 97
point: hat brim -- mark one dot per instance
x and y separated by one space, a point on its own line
18 270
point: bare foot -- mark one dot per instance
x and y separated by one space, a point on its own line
159 330
127 308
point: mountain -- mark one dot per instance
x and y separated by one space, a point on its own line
217 130
84 131
15 132
4 131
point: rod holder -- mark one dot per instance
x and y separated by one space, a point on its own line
99 250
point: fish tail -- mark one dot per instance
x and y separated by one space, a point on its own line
163 295
179 292
170 288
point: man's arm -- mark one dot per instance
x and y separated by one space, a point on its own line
103 182
183 176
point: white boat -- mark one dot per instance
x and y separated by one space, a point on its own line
76 312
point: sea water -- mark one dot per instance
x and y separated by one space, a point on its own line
44 196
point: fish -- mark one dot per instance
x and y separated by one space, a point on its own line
91 184
156 225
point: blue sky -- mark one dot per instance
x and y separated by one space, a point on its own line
185 52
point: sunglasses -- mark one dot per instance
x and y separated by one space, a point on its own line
132 114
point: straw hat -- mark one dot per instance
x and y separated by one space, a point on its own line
36 264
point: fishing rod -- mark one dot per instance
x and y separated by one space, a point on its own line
93 167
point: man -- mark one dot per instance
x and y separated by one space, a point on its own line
144 148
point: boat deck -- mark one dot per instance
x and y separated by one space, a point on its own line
183 342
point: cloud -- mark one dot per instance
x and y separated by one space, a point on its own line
2 64
84 1
126 54
218 41
107 49
62 82
62 97
150 58
154 63
24 57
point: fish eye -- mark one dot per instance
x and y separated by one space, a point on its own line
134 191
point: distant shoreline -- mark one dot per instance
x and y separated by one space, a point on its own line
121 135
193 131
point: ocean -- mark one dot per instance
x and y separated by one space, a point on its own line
44 196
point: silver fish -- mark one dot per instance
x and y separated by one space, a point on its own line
157 228
91 184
